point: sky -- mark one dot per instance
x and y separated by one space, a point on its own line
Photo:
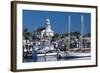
58 20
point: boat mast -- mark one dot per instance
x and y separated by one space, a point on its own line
35 31
69 23
81 31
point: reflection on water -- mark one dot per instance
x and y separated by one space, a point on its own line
47 58
53 58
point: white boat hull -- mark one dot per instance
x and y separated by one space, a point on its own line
47 54
72 54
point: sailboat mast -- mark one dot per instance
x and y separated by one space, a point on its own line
69 23
81 31
35 29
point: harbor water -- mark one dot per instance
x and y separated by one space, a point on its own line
54 58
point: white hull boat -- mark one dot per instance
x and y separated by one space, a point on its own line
72 54
47 54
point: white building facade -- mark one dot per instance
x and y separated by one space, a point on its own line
47 31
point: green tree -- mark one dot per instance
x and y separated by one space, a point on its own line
76 34
27 35
56 36
64 35
88 35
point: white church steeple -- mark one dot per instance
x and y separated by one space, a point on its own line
46 32
47 24
47 21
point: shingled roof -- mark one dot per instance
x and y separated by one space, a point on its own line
40 29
